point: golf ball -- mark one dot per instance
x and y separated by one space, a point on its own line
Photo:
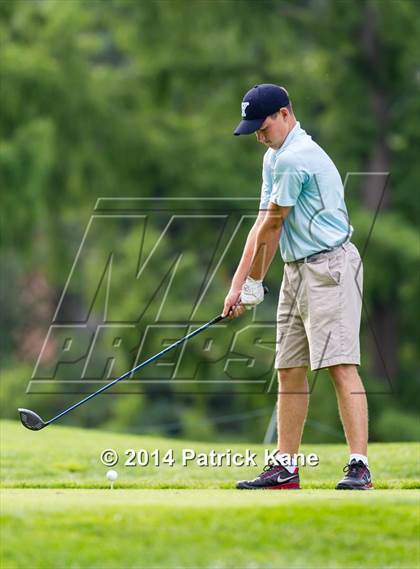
112 475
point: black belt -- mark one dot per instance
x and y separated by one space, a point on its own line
314 257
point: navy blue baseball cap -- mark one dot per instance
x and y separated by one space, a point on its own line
258 103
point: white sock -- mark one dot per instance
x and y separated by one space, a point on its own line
285 460
357 457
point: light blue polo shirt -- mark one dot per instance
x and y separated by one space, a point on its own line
302 175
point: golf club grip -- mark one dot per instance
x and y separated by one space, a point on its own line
266 291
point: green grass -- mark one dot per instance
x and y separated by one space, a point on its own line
65 457
57 512
209 528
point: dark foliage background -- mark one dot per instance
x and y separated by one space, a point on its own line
139 99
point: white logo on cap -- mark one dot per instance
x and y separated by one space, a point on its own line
244 106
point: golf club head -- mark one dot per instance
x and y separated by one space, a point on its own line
31 420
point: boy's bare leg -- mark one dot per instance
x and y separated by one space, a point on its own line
352 404
292 408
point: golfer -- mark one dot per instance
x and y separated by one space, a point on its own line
302 210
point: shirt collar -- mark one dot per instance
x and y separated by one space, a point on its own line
294 133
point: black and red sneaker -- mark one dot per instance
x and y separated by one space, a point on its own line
357 477
273 477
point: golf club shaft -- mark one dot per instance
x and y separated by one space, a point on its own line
139 366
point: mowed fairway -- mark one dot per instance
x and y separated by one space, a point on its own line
209 528
55 515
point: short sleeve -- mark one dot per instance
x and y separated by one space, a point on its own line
266 186
287 183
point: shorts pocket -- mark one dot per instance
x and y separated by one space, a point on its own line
335 268
326 272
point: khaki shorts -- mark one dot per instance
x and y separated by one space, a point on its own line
318 316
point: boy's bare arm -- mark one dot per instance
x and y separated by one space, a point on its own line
267 240
243 269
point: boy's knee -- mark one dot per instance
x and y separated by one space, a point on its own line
342 373
291 374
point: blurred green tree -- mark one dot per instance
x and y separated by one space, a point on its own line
127 99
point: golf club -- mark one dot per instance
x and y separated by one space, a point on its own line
34 422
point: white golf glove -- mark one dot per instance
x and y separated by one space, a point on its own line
252 293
